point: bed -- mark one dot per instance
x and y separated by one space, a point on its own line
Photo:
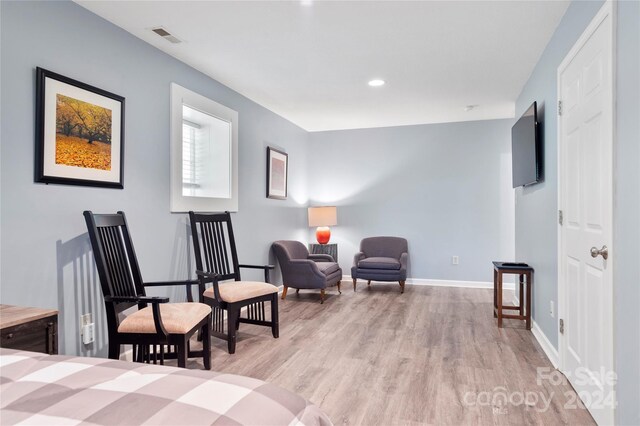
56 389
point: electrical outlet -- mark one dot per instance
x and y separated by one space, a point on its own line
552 309
87 328
85 319
88 333
455 260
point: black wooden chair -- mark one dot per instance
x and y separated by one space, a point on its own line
161 323
215 262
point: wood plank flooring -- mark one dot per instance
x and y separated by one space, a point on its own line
433 355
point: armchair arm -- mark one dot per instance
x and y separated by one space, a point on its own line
136 299
303 273
354 269
266 268
209 277
186 283
321 258
155 308
404 259
167 283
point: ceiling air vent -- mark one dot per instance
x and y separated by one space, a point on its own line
166 35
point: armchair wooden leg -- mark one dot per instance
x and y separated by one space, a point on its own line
339 292
354 284
297 290
284 292
206 345
401 287
114 351
275 326
232 318
369 282
322 296
182 352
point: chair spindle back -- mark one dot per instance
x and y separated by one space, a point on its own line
115 257
214 244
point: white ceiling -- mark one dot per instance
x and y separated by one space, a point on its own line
310 61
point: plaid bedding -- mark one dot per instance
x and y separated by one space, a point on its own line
56 389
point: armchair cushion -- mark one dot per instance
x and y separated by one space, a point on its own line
177 318
327 268
236 291
379 263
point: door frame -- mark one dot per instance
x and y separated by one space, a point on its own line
608 9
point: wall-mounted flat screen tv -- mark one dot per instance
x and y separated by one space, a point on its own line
525 149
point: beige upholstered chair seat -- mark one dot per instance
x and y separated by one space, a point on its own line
236 291
177 318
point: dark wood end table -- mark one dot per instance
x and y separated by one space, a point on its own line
524 309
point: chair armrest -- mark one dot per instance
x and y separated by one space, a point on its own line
209 277
168 283
404 258
257 266
321 257
357 258
136 299
305 266
155 308
266 268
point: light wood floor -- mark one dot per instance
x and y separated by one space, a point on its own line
433 355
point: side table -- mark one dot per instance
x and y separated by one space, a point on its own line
29 329
330 249
524 309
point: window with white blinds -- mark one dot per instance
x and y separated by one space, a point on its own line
188 156
204 140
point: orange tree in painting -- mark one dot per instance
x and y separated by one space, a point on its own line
83 134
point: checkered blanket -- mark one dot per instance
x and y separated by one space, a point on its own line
54 389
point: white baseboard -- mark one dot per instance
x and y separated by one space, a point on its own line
545 343
447 283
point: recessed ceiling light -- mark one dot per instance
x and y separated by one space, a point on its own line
376 83
470 107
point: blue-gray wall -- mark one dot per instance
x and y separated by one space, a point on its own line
626 232
440 185
536 206
44 250
444 187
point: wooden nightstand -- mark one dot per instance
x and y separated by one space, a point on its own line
29 329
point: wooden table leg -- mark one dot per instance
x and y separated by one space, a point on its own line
529 284
499 295
495 297
521 294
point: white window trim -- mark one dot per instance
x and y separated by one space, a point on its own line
178 202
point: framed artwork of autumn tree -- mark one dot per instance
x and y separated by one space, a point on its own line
79 133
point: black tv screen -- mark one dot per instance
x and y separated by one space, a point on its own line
525 149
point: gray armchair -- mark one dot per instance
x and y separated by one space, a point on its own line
303 270
381 259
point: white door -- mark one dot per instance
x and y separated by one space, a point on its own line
585 144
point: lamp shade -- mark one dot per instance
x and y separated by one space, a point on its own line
323 216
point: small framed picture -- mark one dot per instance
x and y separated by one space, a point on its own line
79 133
277 174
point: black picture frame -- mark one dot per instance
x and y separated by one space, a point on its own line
48 167
278 177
